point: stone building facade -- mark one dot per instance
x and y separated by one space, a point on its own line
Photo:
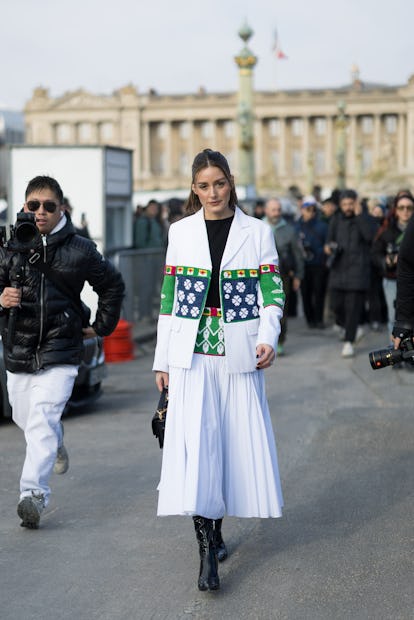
295 137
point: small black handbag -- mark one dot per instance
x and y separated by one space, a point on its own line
158 420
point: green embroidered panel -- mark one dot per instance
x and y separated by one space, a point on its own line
271 286
167 294
210 336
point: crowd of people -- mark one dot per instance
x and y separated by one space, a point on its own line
341 254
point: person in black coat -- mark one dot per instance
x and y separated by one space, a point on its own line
386 246
43 330
312 233
404 306
348 243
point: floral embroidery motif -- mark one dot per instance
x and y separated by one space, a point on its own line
239 294
192 285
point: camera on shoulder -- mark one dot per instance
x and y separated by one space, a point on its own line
21 236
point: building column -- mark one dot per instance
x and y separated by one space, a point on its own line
377 140
258 150
352 146
283 123
168 149
410 139
329 144
146 151
401 134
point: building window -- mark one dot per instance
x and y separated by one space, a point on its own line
207 129
106 131
184 131
159 163
184 164
366 160
85 132
296 161
319 161
274 158
161 131
297 127
274 127
228 128
320 126
367 124
391 124
62 133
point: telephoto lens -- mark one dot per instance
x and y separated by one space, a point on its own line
385 357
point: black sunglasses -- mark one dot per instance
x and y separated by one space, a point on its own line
49 205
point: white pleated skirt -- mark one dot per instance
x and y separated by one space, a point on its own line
219 455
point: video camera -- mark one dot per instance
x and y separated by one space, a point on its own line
390 356
20 237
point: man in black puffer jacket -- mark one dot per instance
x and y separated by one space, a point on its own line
43 331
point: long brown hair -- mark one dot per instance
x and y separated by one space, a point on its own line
391 218
203 160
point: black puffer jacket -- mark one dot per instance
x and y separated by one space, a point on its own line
354 235
48 328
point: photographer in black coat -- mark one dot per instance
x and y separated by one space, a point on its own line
404 309
348 243
43 331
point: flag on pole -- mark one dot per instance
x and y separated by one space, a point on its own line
276 49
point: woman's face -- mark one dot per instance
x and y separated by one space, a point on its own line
404 210
213 190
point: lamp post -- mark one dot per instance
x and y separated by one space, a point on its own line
246 62
341 125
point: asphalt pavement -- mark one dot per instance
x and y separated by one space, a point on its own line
343 549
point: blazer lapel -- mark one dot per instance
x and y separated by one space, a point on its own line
238 234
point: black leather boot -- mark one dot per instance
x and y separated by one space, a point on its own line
221 549
208 578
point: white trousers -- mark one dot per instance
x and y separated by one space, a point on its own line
219 453
38 400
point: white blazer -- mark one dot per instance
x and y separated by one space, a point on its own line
250 244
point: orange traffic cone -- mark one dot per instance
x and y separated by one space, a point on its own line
119 346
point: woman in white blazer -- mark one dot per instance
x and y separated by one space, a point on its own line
221 305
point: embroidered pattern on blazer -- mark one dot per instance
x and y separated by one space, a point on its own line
239 289
192 286
271 286
239 294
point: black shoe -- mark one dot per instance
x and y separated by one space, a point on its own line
221 549
208 578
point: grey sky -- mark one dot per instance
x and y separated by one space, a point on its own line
178 45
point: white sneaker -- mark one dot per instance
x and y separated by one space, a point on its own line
348 350
61 465
360 333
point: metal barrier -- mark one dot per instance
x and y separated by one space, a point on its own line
142 271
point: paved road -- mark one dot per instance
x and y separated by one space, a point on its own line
343 549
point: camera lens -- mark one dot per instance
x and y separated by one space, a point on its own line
385 357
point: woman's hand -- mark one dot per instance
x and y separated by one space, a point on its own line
161 379
265 356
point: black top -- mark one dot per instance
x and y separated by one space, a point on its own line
217 232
